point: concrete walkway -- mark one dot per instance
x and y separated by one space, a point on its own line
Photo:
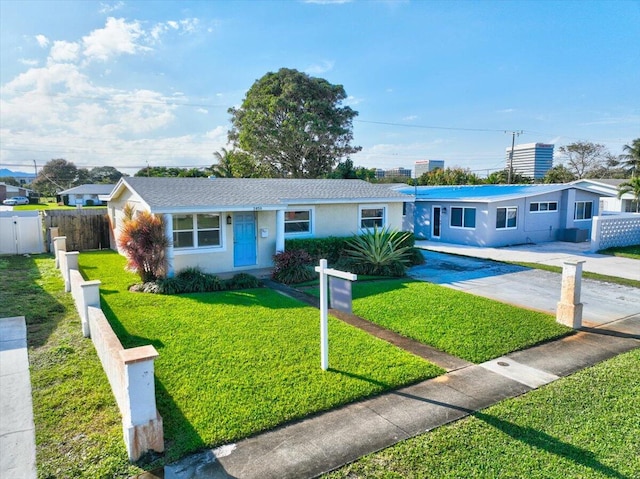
310 447
553 253
528 288
17 431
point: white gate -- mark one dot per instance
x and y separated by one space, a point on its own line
21 232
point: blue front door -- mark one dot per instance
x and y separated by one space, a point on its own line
244 239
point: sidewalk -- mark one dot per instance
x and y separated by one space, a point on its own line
324 442
17 431
553 253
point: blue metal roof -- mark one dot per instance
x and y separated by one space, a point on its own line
480 193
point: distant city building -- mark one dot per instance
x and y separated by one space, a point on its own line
532 160
393 173
425 166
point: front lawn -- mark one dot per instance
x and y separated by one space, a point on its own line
582 426
78 425
235 363
470 327
632 252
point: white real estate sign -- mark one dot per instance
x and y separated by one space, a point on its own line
325 273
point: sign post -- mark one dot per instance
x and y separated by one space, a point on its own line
324 307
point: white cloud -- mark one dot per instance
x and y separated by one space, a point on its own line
506 110
352 101
62 51
108 8
318 68
410 118
42 40
29 62
187 25
57 110
116 38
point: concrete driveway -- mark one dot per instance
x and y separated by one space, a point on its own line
527 288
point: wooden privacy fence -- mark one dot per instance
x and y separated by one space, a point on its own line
85 229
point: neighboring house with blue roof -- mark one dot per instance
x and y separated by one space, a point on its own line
85 195
501 215
609 201
235 224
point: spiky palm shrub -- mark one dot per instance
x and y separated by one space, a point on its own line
381 252
144 242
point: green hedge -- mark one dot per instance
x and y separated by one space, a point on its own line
331 247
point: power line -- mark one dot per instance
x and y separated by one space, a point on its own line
428 127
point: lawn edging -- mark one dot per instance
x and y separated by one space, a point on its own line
127 370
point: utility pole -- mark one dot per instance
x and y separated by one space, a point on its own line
35 168
513 143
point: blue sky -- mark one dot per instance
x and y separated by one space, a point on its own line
128 83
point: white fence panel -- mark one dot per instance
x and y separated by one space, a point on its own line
21 232
615 230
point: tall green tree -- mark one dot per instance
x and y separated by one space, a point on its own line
237 164
104 175
502 178
632 186
171 172
559 174
344 170
294 125
631 157
583 157
449 176
57 175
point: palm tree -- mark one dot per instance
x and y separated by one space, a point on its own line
224 167
632 186
632 157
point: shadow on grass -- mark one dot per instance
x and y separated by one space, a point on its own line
21 296
529 436
127 340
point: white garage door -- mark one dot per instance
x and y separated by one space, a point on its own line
21 232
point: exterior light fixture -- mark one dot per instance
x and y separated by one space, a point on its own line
228 219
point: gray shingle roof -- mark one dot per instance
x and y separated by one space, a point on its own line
89 189
169 193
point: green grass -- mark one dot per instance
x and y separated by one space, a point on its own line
78 426
585 274
583 426
232 364
632 252
467 326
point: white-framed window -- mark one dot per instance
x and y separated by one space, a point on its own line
462 217
372 216
298 222
507 218
583 210
543 207
196 231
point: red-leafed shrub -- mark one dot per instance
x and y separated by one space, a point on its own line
293 266
143 241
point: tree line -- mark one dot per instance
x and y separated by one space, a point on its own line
292 125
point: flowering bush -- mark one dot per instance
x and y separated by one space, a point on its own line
293 266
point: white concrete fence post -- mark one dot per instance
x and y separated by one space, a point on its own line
141 423
53 232
68 261
569 311
89 296
59 244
